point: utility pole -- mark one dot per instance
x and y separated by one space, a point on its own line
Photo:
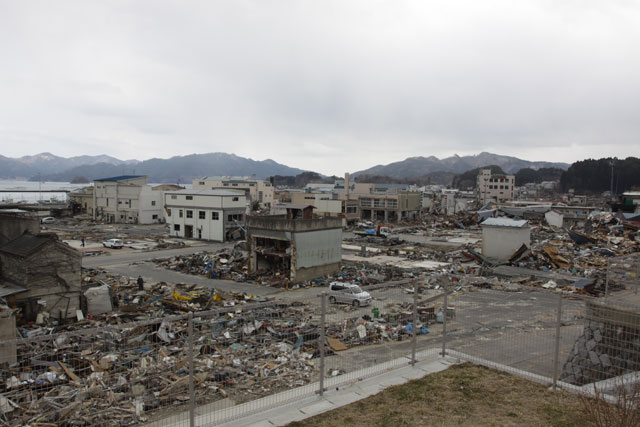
612 164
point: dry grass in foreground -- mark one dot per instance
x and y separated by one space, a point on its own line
463 395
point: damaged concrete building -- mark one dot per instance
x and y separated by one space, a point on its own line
296 245
49 273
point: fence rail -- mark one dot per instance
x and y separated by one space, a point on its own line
207 368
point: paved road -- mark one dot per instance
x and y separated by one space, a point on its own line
121 256
152 273
138 263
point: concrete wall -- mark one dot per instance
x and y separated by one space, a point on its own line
150 209
278 223
317 248
554 219
501 242
13 226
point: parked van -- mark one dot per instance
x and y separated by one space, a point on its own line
113 243
348 293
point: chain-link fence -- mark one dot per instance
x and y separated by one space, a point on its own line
207 368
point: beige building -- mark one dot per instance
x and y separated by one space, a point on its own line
82 200
256 190
127 199
495 187
326 205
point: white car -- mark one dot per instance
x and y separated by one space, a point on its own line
113 243
348 293
48 220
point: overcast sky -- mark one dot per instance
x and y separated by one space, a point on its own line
329 86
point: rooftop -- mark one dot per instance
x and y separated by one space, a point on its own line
221 193
505 222
120 178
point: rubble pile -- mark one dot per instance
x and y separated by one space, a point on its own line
229 264
124 373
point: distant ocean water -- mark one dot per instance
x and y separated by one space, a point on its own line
15 195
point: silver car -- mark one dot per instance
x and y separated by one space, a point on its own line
348 293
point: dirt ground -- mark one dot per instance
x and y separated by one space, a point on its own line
463 395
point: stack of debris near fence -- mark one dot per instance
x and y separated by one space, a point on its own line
125 373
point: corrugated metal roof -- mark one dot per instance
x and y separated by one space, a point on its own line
505 222
120 178
7 288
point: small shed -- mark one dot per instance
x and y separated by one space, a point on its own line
49 270
502 237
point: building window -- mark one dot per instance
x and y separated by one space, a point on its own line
235 185
226 184
251 185
215 216
201 183
119 202
153 203
154 217
168 212
189 214
180 213
235 199
176 227
174 197
234 217
189 197
202 215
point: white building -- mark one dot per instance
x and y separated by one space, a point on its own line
217 215
126 199
256 190
495 187
502 237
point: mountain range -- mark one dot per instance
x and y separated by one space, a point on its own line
415 167
49 167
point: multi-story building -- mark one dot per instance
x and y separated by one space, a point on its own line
494 187
327 205
389 207
82 200
126 199
256 190
217 215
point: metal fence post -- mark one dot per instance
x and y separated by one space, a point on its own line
606 285
444 324
192 397
636 282
414 338
321 338
556 351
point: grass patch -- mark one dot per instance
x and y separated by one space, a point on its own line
463 395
